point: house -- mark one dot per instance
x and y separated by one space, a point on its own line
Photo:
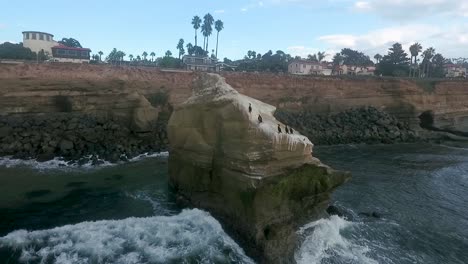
200 63
62 53
305 67
38 41
455 71
354 70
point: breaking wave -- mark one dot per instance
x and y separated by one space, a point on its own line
192 236
324 243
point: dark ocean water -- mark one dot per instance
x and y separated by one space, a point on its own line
125 214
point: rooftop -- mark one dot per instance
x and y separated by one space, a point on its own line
38 32
61 46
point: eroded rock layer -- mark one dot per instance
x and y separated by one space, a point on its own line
262 184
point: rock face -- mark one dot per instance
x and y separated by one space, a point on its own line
261 184
359 125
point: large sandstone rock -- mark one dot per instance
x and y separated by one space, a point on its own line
261 184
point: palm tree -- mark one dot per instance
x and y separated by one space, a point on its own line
415 49
207 29
130 57
145 54
180 47
219 25
378 57
321 56
196 21
152 54
100 54
427 56
168 53
138 58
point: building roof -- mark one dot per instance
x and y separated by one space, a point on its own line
305 62
61 46
38 32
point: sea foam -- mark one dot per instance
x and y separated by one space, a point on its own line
60 163
192 236
325 243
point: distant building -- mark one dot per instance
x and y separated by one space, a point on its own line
37 41
62 53
200 63
455 71
303 67
354 70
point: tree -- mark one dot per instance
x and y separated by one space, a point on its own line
152 54
219 25
321 56
145 54
198 51
354 57
16 51
312 58
130 57
115 56
190 49
196 21
168 53
415 49
378 57
207 28
100 54
395 63
70 42
438 62
426 63
180 47
138 58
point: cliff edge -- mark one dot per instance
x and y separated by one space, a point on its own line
260 183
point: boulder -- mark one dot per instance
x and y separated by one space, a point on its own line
262 185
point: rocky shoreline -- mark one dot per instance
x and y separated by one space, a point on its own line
77 137
359 125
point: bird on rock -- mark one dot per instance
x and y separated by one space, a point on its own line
250 108
291 130
279 128
260 119
287 129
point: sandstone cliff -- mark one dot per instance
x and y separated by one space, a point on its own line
262 184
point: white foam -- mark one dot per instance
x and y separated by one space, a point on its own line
324 243
192 236
59 162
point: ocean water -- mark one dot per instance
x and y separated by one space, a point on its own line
406 203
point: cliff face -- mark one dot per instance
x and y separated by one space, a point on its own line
261 183
137 96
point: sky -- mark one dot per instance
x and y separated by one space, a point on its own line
297 27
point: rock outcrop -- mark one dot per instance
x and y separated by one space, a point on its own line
261 184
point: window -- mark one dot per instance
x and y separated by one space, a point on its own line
48 37
296 65
27 35
34 36
84 54
71 52
303 65
61 52
41 36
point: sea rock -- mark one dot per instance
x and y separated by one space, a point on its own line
262 185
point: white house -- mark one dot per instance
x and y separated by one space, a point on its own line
303 67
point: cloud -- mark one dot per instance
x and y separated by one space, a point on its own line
413 9
220 11
450 41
